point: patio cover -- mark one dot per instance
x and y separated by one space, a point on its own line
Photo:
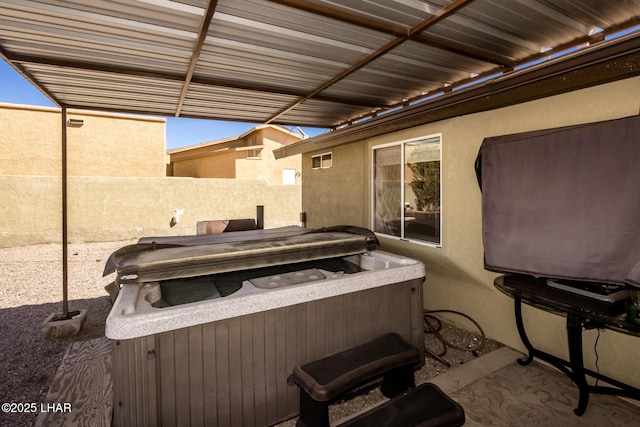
316 63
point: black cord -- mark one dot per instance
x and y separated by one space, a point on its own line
595 349
434 328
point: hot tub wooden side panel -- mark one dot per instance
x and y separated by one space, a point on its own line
234 371
136 383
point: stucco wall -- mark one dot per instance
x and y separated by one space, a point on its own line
111 208
337 195
105 145
456 278
218 166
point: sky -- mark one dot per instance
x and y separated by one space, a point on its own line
15 89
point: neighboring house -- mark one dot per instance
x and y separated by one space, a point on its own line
248 156
98 143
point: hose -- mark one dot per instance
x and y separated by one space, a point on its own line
433 325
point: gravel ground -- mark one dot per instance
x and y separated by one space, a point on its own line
31 290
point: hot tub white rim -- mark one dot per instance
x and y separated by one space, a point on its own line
146 320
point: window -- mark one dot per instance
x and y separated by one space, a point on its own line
321 161
406 189
254 154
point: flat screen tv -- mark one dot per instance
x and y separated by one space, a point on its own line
564 203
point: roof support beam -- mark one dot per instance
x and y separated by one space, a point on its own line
411 33
393 30
463 51
589 39
195 55
15 58
26 58
338 15
9 59
602 64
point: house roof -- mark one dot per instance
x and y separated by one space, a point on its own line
219 142
317 63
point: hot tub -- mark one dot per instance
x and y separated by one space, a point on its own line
217 348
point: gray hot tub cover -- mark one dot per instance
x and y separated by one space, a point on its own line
164 258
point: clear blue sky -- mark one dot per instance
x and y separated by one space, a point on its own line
15 89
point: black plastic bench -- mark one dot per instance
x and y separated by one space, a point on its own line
423 406
321 382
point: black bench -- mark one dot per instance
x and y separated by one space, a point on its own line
423 406
322 381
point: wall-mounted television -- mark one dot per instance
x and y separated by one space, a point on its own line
564 203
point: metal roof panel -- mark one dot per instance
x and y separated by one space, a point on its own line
310 62
226 103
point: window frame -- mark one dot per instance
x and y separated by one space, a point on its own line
401 143
254 153
322 160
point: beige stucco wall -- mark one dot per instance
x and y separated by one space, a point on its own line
456 279
105 145
111 208
218 166
337 195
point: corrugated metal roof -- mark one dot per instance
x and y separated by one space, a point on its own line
297 62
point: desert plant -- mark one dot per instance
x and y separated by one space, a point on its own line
426 185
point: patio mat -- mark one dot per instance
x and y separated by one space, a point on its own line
537 395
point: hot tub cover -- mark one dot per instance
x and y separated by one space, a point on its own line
163 258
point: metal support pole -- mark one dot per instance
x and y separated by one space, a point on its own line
65 266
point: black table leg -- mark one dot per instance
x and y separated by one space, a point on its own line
574 336
577 320
573 369
523 335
